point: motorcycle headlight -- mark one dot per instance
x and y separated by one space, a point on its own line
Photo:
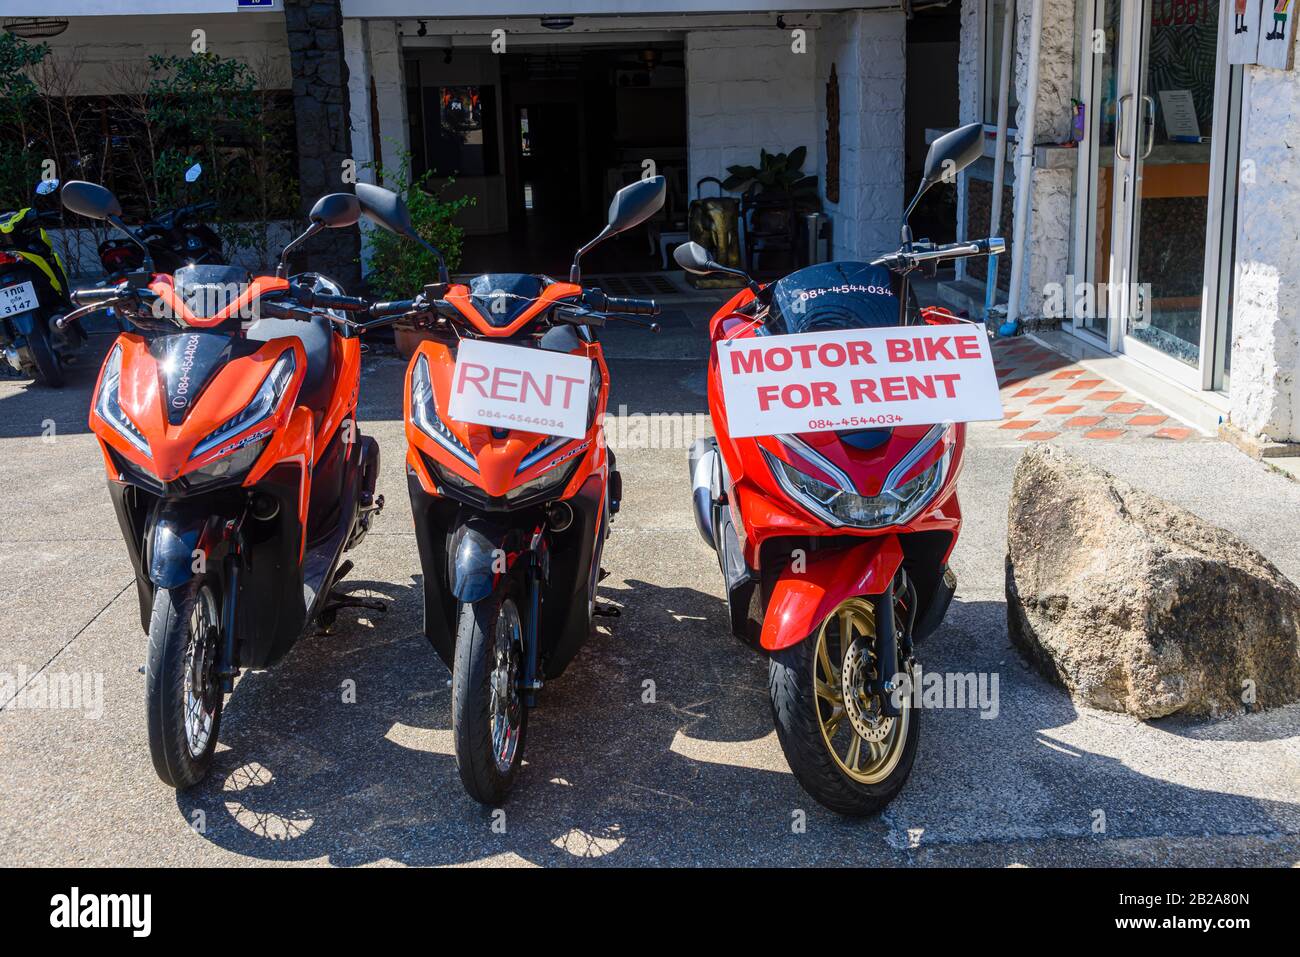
227 466
424 412
552 481
264 403
109 408
893 506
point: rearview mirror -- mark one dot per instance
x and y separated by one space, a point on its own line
193 173
947 156
388 209
694 258
953 152
634 204
90 200
631 206
336 211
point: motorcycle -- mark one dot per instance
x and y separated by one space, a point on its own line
834 545
227 420
176 238
510 522
34 294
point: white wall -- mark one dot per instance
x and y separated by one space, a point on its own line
869 53
102 48
1266 306
746 90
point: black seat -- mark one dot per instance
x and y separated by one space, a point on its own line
317 340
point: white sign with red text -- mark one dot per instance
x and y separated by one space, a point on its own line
858 379
513 387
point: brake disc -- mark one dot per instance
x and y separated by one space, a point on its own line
862 708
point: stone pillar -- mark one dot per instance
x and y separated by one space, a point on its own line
320 80
868 50
1264 403
1051 199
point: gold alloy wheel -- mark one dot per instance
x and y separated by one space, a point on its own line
866 746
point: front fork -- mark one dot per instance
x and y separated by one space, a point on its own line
539 560
900 588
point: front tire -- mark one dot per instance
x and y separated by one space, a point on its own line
182 689
488 715
850 758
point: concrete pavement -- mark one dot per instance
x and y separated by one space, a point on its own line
695 777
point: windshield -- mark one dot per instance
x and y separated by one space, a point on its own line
838 295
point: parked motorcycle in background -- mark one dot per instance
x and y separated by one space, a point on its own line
834 545
511 514
235 465
174 239
34 295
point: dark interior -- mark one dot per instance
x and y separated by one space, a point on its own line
544 137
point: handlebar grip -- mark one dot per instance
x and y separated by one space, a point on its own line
321 300
632 307
393 308
90 297
276 310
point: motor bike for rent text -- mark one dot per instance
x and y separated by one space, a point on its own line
510 522
227 420
34 295
834 545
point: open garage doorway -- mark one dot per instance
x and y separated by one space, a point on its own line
542 137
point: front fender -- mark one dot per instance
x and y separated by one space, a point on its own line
475 548
173 534
802 599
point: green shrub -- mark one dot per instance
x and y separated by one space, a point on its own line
400 268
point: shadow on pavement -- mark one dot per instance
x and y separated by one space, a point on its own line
690 778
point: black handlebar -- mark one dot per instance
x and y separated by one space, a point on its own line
323 300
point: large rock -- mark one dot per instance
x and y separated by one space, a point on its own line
1135 605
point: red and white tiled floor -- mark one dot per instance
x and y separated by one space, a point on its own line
1046 395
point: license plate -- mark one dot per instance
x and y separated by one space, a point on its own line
16 299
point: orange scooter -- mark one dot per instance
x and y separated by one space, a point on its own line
510 521
227 421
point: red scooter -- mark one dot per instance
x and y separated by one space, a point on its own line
834 546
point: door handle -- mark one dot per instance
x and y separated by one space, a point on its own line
1150 124
1119 127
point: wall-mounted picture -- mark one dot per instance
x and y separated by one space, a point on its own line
1243 41
1277 34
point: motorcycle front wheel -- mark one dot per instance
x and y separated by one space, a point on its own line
488 714
183 694
842 750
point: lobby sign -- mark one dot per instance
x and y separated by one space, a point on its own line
513 387
858 379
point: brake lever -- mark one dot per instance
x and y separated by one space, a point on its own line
644 324
66 320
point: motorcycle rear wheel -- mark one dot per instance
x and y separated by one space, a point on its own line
821 728
48 370
183 695
488 716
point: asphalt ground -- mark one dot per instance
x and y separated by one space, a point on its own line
690 774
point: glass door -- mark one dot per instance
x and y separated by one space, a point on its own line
1151 196
1173 119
